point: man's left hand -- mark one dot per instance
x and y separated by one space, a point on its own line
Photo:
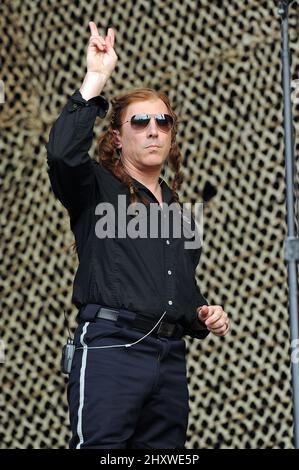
215 319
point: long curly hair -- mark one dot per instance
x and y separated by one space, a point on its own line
107 152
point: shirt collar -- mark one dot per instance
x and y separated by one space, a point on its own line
166 191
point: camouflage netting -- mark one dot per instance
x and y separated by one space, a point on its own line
219 63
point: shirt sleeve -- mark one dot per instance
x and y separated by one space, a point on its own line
197 329
70 168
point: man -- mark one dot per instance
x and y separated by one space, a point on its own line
137 296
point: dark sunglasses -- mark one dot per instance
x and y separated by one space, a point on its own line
141 121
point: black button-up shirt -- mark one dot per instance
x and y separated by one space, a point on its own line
145 275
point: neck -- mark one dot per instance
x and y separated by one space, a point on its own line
150 177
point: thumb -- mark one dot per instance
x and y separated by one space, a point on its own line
203 312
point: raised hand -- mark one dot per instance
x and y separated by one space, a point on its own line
101 57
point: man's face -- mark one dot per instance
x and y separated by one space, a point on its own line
135 144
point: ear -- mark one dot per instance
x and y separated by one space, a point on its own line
117 138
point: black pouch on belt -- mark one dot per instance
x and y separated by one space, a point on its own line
68 352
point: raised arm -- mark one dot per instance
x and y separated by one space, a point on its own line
71 170
101 60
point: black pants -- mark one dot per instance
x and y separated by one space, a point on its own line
127 397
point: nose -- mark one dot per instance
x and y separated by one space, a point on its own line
152 128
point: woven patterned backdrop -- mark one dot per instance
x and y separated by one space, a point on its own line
219 63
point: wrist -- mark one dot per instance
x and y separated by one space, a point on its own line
93 85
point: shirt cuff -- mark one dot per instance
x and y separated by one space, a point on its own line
198 325
99 101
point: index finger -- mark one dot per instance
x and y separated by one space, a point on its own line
111 34
93 28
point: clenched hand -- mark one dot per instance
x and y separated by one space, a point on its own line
215 319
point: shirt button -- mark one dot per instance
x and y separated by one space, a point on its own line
169 302
75 106
167 241
169 272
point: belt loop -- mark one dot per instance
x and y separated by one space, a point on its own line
88 312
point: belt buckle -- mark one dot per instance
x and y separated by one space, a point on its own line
108 314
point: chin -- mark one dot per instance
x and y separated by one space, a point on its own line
154 157
153 162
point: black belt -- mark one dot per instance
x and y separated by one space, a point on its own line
170 330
